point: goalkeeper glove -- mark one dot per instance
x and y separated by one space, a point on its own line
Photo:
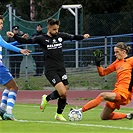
98 57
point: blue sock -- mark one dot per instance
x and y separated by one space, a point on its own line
4 99
11 101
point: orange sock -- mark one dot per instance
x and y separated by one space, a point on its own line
92 103
116 116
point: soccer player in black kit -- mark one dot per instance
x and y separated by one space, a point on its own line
55 72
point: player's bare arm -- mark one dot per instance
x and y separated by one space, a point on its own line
23 51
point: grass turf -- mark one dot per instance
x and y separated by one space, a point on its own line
31 120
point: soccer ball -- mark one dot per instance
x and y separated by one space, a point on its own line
75 115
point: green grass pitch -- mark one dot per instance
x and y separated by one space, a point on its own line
31 120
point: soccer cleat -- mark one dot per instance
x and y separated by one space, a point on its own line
60 117
2 113
44 103
129 116
8 117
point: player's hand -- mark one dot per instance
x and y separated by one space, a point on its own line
21 32
26 35
86 36
98 57
10 34
25 51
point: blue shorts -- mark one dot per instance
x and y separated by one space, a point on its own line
5 75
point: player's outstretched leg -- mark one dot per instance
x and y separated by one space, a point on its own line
44 103
10 105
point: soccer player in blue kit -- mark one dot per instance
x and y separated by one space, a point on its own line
55 72
6 79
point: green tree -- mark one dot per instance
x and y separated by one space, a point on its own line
46 8
22 7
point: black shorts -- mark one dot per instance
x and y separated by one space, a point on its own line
56 76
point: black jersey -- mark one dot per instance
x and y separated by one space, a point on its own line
12 40
37 47
52 47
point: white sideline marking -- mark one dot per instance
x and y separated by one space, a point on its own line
35 106
76 124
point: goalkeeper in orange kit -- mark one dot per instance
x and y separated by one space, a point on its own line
122 93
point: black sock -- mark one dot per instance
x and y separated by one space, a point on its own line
53 95
61 105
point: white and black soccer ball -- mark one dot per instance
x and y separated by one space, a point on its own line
75 115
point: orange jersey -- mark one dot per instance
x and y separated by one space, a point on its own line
124 75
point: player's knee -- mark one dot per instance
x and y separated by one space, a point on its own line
15 88
67 88
103 117
63 95
103 95
117 97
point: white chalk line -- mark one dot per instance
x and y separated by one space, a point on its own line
35 106
72 123
75 124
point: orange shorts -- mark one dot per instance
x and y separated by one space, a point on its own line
125 99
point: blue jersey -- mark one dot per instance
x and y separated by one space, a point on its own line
5 75
8 46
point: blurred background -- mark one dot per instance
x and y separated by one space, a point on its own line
106 22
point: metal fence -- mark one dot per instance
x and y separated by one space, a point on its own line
100 24
85 52
105 30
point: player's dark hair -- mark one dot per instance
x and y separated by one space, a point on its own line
53 22
123 46
1 17
39 25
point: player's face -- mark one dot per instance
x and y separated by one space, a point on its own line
1 24
39 28
119 53
15 31
53 30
